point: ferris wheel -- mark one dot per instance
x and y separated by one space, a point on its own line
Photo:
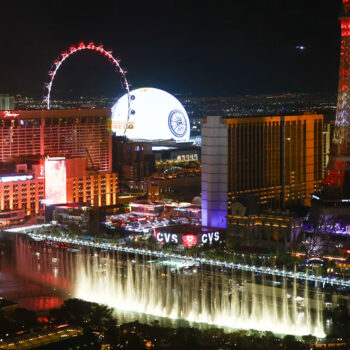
87 47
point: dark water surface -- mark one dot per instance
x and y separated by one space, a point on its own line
14 287
41 297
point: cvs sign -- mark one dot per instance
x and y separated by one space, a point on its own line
167 237
210 237
188 240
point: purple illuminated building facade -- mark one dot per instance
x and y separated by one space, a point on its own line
214 173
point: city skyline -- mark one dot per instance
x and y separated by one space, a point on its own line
214 194
231 49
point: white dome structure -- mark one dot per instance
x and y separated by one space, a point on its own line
154 115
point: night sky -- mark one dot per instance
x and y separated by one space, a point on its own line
207 48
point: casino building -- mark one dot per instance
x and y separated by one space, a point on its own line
21 191
57 133
25 187
278 160
54 157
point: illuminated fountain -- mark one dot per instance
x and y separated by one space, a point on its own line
135 284
201 296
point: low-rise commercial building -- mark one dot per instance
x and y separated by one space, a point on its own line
21 189
25 188
272 230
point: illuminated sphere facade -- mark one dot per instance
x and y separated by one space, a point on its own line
154 115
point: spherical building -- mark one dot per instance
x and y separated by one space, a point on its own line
154 115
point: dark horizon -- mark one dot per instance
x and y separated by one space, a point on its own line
229 49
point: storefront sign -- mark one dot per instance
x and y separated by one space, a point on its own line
7 114
188 240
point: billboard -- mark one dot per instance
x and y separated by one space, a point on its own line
55 180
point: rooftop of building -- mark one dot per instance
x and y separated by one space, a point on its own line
71 206
188 229
55 113
10 164
274 115
192 207
264 118
6 303
18 167
142 202
158 145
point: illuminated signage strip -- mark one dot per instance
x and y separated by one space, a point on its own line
16 178
55 158
188 239
121 125
9 114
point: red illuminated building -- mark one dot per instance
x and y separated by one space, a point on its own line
21 190
331 206
54 157
57 133
26 186
337 178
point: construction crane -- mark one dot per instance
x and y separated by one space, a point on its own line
93 167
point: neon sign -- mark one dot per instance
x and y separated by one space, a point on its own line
55 158
9 114
188 240
121 125
210 237
167 237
